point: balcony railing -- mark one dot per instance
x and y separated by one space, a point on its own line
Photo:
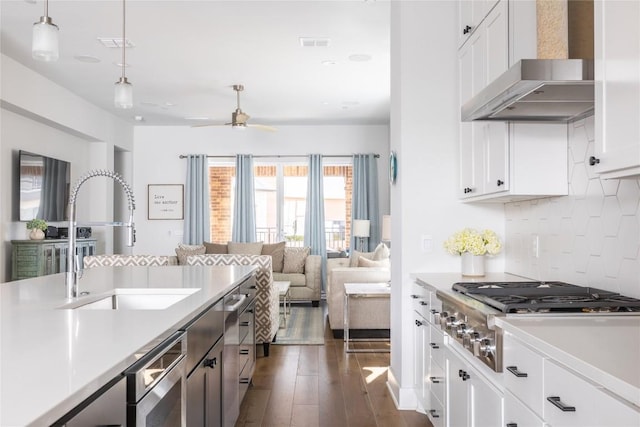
335 237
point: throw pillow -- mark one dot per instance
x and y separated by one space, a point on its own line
243 248
381 252
183 251
353 261
365 262
294 259
215 248
276 250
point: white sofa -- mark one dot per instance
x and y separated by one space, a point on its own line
365 313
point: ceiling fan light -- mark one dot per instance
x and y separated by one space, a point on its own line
123 94
44 45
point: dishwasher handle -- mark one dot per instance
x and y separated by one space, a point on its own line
236 305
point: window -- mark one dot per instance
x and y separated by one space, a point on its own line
280 197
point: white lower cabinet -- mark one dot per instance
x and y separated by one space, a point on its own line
472 400
572 401
517 414
542 392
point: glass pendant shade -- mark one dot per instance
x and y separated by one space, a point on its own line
123 94
45 40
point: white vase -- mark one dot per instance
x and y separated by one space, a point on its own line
36 234
472 265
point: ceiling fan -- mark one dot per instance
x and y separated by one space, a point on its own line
239 118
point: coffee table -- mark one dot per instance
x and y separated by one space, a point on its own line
283 293
363 290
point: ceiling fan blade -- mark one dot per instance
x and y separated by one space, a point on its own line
209 125
262 127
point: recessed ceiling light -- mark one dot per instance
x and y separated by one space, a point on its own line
149 104
139 119
169 104
119 65
87 59
359 57
329 62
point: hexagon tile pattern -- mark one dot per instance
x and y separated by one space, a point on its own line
590 237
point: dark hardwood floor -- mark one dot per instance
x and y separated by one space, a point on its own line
320 385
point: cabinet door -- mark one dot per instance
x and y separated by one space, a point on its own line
457 391
204 390
486 402
617 94
421 359
517 414
496 152
496 44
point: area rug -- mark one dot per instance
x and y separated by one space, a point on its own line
305 325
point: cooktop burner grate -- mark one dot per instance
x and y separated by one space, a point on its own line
536 297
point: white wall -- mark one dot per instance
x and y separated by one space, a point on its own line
157 150
39 116
590 237
424 132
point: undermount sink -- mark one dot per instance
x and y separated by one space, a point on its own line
133 299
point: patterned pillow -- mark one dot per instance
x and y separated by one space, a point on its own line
365 262
353 261
294 260
215 248
242 248
183 251
276 250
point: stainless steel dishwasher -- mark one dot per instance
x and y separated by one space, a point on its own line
156 386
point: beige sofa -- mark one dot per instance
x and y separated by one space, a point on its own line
365 313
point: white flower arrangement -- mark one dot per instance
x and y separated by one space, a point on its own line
474 242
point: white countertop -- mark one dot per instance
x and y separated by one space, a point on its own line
604 349
51 359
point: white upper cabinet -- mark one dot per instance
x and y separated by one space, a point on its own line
617 72
470 15
499 161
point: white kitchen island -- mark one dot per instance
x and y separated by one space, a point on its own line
52 358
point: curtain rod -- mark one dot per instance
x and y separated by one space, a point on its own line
278 156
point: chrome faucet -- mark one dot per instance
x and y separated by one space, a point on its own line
73 266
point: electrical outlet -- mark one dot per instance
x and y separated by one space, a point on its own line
535 245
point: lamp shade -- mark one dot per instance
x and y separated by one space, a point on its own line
361 227
386 228
123 94
44 45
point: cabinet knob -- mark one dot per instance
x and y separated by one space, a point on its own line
499 182
423 303
418 323
467 190
434 345
210 363
463 374
434 413
466 30
593 161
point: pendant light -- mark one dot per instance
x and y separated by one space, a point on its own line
44 43
124 90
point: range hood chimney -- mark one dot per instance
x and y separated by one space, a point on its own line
556 87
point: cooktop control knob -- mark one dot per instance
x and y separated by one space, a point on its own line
463 330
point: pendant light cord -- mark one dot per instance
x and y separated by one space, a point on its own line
46 8
123 38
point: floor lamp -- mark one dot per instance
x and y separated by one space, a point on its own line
361 231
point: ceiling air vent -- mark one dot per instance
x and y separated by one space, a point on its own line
314 42
115 42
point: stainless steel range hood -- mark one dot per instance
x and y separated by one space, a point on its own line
558 86
546 90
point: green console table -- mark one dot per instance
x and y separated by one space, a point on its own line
32 258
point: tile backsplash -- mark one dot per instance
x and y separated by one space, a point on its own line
590 237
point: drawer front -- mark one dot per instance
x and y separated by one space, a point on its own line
517 414
420 300
436 412
518 361
591 405
203 334
436 381
436 344
248 287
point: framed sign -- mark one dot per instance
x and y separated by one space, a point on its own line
166 201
